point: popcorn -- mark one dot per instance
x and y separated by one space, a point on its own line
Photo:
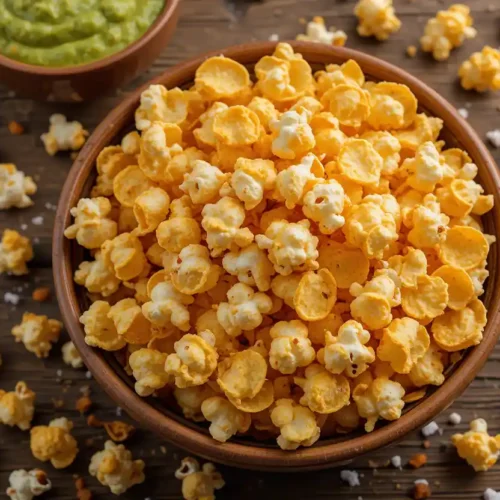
236 126
327 135
265 110
148 369
125 255
428 300
63 135
37 333
292 135
178 232
426 169
409 267
381 398
54 442
71 356
429 369
15 187
15 251
315 295
316 32
130 322
17 407
224 344
376 18
225 420
151 208
203 183
297 425
25 485
191 398
114 467
97 276
350 104
347 351
388 147
460 286
448 30
129 183
479 449
463 247
196 483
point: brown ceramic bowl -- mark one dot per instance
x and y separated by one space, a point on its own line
246 452
90 80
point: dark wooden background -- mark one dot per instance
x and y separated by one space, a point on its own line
207 25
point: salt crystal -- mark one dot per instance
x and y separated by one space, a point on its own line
24 227
494 137
350 476
396 461
490 494
88 375
11 298
38 220
464 113
454 419
430 429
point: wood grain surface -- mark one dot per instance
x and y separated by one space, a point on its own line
209 25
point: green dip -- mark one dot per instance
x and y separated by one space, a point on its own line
71 32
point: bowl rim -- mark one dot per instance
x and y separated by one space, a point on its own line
67 71
257 457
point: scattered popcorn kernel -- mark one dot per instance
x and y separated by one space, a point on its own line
63 135
151 208
71 356
460 286
15 252
37 333
198 484
15 187
15 128
376 18
125 255
54 442
130 322
225 420
316 32
41 294
292 135
477 447
411 51
428 300
17 407
429 369
203 183
97 276
114 467
24 485
148 369
315 295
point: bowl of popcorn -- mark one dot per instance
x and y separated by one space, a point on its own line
277 256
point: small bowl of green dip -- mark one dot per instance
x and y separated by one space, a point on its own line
79 49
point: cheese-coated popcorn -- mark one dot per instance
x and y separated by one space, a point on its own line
178 231
448 30
37 333
297 425
460 286
350 104
481 72
327 135
222 221
428 300
426 169
114 467
291 246
129 183
463 247
376 18
24 485
190 400
347 351
125 255
203 183
236 126
97 276
347 73
54 442
151 208
15 252
224 344
382 398
459 197
71 356
225 420
100 330
17 407
429 369
290 348
285 287
423 128
293 137
15 187
265 110
316 31
315 295
63 135
194 360
148 369
409 267
204 135
199 484
387 146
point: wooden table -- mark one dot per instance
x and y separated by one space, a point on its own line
207 25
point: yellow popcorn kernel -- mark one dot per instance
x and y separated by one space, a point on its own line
167 304
393 106
463 247
15 187
297 425
71 356
327 135
159 144
261 401
130 144
477 447
478 275
194 360
114 467
198 483
161 105
148 369
426 169
429 369
483 204
315 295
382 398
37 333
290 348
15 252
125 255
181 164
205 135
222 221
285 287
449 29
359 162
318 330
220 77
291 246
225 420
324 392
350 104
236 126
457 330
251 179
265 110
100 330
459 197
203 183
348 265
129 183
292 135
244 309
481 72
176 233
17 407
387 146
347 351
316 32
150 208
251 266
54 442
376 18
423 129
226 156
190 400
428 300
409 267
404 342
348 73
129 321
63 135
193 272
460 286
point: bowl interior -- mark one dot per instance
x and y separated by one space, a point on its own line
160 416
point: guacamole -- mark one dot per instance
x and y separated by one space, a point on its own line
71 32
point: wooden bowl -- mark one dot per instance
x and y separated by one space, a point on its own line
90 80
246 452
